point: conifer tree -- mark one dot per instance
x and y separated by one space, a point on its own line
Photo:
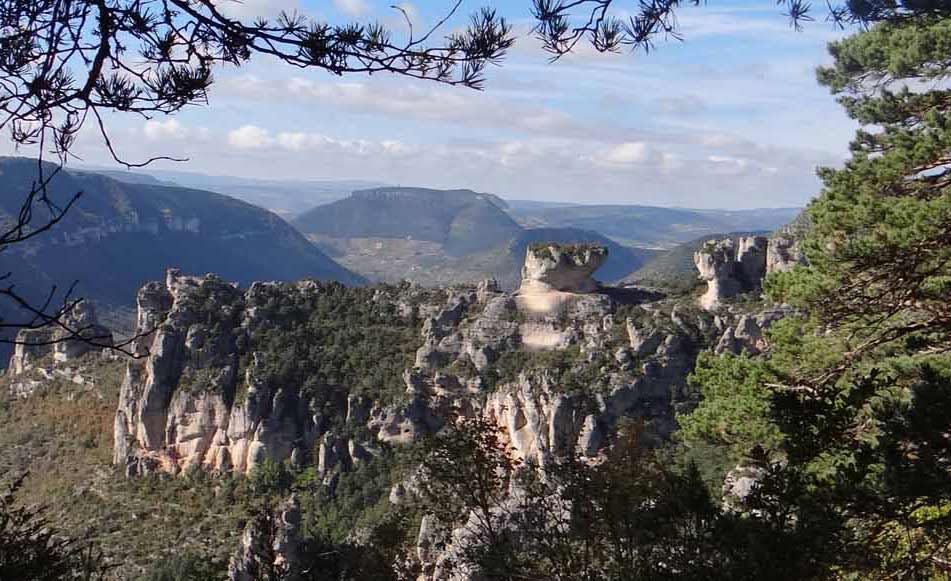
853 403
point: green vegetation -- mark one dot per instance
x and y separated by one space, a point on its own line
848 415
633 516
62 436
187 567
32 548
569 370
569 248
335 341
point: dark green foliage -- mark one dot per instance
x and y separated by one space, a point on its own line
633 516
850 408
334 342
32 548
357 501
564 247
187 567
270 478
568 370
736 407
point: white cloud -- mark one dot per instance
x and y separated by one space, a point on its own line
250 9
626 154
352 7
407 101
170 129
249 137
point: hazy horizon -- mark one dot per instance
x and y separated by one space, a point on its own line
730 118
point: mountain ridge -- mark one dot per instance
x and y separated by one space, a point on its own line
119 235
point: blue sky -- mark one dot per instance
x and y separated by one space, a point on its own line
729 118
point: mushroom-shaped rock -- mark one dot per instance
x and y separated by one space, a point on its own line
562 267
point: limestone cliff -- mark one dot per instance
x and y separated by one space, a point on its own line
198 399
77 333
322 375
731 268
214 392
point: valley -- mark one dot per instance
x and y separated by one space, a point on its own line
325 391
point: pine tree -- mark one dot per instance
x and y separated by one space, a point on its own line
853 403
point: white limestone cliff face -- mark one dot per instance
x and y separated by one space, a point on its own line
189 402
716 263
731 268
556 382
60 341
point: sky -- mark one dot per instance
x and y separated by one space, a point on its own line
730 117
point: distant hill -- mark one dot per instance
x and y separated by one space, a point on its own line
648 226
461 221
287 198
440 237
121 235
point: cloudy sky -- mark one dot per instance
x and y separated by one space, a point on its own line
731 117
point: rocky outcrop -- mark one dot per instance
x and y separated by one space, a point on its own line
77 333
747 333
270 546
562 267
731 268
202 396
193 401
784 253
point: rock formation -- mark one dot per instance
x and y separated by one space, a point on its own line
192 401
562 267
204 394
270 546
78 333
785 245
731 268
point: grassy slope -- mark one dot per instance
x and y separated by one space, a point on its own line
62 435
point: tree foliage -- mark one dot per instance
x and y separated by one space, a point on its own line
632 515
612 25
853 400
32 548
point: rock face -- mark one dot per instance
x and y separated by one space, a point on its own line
205 395
269 546
560 267
732 268
556 366
785 246
192 401
36 344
